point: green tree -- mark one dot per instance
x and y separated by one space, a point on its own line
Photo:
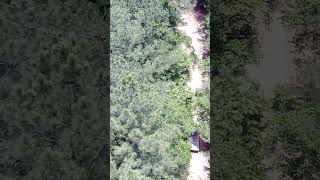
54 114
150 107
236 105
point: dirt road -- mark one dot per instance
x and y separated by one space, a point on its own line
199 165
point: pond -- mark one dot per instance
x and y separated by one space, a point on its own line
276 63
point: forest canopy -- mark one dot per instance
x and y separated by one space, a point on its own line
52 84
151 118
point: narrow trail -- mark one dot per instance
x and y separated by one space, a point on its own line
199 164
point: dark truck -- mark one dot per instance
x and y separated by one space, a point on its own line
197 144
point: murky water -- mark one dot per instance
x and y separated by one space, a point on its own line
276 64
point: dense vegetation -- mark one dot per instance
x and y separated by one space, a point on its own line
236 106
294 137
52 105
151 118
244 130
53 92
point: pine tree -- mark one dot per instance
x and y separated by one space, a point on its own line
53 116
